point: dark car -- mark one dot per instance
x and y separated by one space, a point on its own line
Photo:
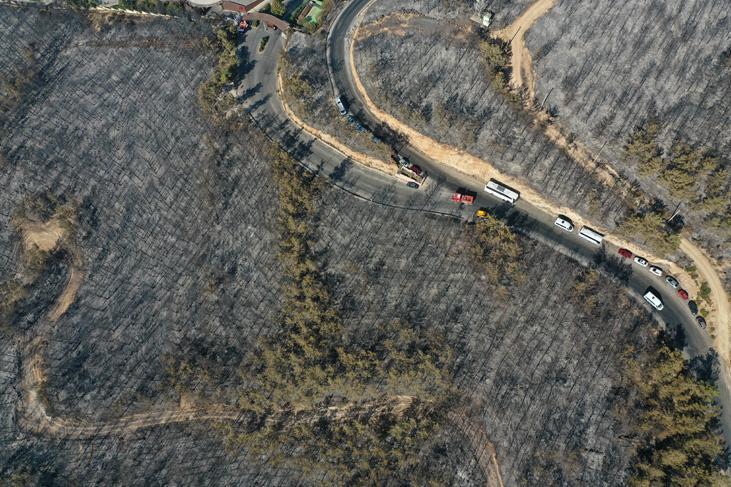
701 321
693 307
625 253
413 184
417 170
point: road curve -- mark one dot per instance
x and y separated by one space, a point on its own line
676 310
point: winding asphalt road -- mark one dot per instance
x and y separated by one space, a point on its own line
258 93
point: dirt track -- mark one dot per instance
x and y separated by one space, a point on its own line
467 164
721 315
359 157
521 59
46 236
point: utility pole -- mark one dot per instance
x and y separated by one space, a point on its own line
516 33
600 151
675 213
545 98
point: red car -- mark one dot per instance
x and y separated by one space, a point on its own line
683 294
625 253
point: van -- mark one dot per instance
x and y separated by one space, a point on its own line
653 299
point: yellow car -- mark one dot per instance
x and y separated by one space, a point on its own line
481 213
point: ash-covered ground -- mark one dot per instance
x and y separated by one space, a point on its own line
177 238
603 71
611 67
430 73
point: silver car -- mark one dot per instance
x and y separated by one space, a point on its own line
564 223
672 282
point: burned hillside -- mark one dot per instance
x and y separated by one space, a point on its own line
175 228
612 69
435 76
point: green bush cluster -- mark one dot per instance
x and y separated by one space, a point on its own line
496 54
152 6
497 248
678 439
356 405
277 8
649 228
209 93
692 175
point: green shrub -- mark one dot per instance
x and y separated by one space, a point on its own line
649 228
349 406
498 250
678 440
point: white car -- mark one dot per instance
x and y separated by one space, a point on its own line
656 270
564 223
641 261
341 106
653 299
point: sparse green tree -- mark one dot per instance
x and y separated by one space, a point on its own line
679 443
278 8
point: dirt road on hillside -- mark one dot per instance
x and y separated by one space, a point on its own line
466 164
721 315
522 62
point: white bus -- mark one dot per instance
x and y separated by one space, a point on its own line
502 191
653 299
591 235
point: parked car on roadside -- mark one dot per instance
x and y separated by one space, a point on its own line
641 261
564 223
653 297
656 270
341 106
701 321
683 294
413 184
693 307
672 282
625 253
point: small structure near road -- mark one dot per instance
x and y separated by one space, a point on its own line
311 13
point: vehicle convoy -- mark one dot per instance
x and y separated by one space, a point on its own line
591 235
565 223
463 196
501 191
653 297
